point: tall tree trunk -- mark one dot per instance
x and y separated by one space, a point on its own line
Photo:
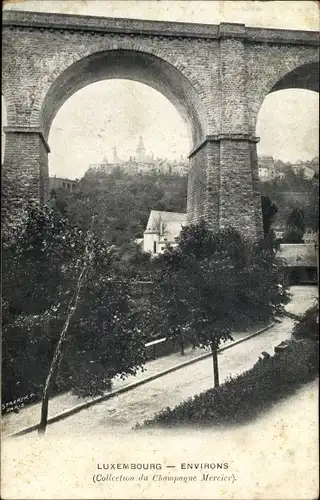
181 337
57 352
45 395
193 341
44 412
214 352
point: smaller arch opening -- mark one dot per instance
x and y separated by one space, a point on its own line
288 158
287 124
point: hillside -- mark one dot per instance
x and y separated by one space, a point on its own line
293 191
121 202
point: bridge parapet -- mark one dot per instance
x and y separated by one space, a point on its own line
41 20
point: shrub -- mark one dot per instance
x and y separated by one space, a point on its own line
295 227
308 326
242 398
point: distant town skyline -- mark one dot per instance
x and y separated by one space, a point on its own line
116 112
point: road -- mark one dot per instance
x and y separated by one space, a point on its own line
124 411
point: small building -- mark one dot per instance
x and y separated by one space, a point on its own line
306 171
163 228
310 237
61 182
267 169
139 241
180 169
300 261
280 174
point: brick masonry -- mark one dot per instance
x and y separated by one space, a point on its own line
217 76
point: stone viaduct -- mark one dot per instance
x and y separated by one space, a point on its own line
216 76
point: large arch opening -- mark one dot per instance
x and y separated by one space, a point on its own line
160 77
127 145
130 65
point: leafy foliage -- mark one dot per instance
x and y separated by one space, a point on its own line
269 211
129 260
121 202
295 191
242 398
41 271
213 283
295 227
308 326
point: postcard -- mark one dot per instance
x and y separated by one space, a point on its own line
160 263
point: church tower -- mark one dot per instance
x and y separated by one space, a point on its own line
140 151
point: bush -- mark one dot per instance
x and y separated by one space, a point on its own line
308 326
293 235
242 398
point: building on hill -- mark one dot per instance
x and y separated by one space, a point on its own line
270 169
61 182
310 236
306 171
300 262
267 169
162 228
143 163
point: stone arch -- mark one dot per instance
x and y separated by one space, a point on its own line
134 65
296 75
303 77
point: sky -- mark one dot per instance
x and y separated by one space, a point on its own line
116 112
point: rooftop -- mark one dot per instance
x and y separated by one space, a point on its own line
297 255
167 224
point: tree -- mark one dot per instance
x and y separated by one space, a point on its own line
39 269
131 261
168 300
218 281
311 206
293 191
269 211
42 269
57 355
160 226
307 327
295 227
60 199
